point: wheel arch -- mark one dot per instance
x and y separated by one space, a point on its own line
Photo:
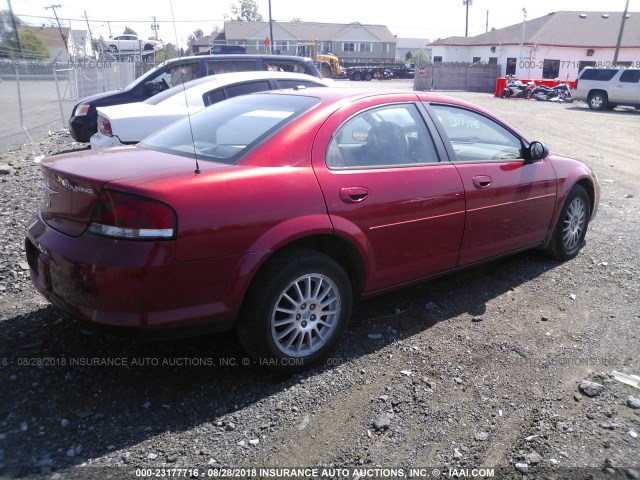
588 185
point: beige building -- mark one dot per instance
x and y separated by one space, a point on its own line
557 45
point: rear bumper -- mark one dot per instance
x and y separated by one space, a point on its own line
83 126
131 284
98 140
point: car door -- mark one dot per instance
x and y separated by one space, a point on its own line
627 88
388 190
509 202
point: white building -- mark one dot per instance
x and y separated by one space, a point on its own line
557 45
79 44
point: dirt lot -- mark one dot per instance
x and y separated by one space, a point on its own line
477 370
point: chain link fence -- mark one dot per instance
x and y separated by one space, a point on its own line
37 96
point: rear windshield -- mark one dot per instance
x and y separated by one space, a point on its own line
227 130
601 74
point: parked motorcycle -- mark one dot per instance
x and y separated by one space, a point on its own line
559 93
515 88
532 90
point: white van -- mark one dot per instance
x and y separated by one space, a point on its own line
607 88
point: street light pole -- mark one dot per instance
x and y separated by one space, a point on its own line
466 26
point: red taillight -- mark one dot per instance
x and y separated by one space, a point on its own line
104 126
123 215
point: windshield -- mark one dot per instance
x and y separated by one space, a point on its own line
227 130
145 77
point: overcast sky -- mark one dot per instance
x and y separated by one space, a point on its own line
427 19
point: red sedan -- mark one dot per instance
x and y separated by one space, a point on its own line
270 213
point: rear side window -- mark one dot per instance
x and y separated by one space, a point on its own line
390 136
599 74
298 83
228 66
630 76
277 65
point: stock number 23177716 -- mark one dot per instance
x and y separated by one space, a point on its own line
576 64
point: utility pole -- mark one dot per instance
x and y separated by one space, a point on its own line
486 26
624 18
53 7
155 27
270 29
15 30
524 27
89 29
466 27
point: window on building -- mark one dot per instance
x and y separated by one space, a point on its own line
493 60
281 45
585 63
511 66
365 47
437 59
324 47
476 60
550 68
348 47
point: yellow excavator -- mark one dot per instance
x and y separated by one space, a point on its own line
327 63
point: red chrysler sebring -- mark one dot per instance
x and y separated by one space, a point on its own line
270 213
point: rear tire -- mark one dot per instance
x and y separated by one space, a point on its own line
357 76
296 311
568 235
325 71
368 76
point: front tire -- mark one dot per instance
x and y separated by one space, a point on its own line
113 49
597 100
296 311
568 235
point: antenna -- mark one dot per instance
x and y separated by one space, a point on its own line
184 91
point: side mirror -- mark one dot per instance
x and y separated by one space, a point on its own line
537 151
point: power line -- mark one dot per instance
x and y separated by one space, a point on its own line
121 21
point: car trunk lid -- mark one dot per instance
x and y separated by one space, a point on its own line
73 182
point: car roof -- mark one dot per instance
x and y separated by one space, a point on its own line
238 56
198 87
354 93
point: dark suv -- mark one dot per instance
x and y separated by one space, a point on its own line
84 118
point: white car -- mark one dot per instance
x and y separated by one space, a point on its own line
131 43
131 122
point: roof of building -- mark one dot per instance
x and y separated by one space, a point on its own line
306 30
412 42
51 35
566 29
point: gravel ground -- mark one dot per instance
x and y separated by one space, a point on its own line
506 366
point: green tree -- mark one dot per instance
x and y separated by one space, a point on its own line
246 11
197 34
129 31
167 52
33 47
8 43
